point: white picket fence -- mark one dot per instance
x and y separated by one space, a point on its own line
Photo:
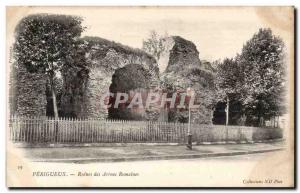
70 130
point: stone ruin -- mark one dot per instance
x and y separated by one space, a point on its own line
181 66
110 66
107 61
178 54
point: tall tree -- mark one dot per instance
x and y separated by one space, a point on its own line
45 43
228 81
262 64
154 44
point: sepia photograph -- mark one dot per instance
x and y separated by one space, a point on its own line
150 96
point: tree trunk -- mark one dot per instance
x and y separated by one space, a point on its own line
260 120
227 110
243 120
53 97
52 87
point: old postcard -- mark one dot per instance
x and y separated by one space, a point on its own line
150 96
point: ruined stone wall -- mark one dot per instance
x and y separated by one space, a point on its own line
183 69
179 54
180 66
103 58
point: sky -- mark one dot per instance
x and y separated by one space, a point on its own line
217 32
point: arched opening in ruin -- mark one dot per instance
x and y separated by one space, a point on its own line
131 79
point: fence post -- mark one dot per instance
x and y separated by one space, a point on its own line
226 140
55 120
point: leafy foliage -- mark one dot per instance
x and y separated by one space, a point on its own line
228 79
255 77
262 63
154 45
46 43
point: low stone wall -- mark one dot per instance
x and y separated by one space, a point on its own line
220 133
